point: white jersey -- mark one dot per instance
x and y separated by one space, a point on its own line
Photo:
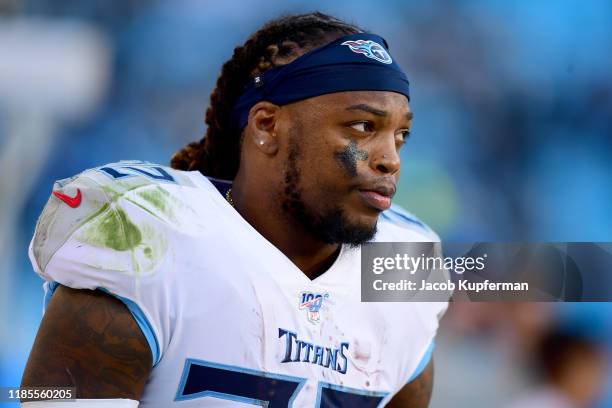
230 320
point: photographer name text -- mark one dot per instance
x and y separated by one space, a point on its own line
462 285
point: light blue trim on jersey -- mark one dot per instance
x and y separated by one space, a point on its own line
134 309
341 388
49 291
143 323
424 361
397 215
231 397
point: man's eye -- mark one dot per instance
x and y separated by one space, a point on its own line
362 126
402 138
404 135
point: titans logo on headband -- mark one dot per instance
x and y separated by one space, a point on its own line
370 49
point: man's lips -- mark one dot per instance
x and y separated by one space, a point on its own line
378 197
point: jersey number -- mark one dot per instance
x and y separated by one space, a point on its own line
206 379
130 169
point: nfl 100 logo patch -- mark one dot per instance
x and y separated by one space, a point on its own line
312 302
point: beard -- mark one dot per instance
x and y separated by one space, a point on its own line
331 225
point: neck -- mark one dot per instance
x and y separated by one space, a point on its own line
310 255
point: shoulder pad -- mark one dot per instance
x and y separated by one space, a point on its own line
93 196
398 216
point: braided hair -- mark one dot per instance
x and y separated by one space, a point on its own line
277 43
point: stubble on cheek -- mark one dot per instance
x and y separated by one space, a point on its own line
349 156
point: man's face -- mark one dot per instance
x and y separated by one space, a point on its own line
342 161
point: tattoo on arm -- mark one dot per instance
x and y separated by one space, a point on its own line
417 393
89 340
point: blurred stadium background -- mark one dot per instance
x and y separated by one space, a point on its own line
512 140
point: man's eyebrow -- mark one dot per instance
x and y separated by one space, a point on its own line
374 111
368 108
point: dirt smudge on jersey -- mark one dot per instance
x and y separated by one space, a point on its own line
362 351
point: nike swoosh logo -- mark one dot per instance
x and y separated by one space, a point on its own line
73 202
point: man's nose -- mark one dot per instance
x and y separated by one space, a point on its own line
385 156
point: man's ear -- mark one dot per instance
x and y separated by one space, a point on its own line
263 119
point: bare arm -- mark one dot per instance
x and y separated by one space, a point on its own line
417 393
89 340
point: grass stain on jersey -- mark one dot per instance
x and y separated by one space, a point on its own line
110 227
162 204
149 197
113 229
158 198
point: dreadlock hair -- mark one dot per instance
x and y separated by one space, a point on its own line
277 43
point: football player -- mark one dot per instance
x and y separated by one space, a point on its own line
233 278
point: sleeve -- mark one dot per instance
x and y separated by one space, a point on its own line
431 313
398 225
425 359
90 236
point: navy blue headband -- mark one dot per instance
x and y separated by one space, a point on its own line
356 62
